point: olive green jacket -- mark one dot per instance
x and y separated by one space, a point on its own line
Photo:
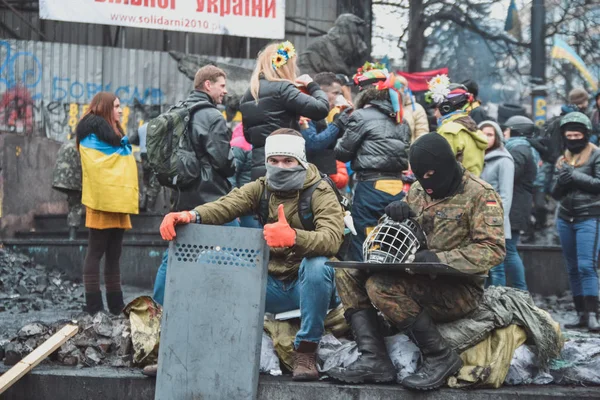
284 263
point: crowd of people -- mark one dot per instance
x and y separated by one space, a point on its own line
472 185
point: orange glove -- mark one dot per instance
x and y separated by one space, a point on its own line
280 234
167 226
341 178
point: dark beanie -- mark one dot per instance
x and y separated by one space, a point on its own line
433 152
430 152
575 127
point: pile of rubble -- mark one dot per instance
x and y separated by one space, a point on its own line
102 340
26 286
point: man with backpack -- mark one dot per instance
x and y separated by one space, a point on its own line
201 160
298 276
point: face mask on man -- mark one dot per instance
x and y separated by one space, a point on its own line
576 146
432 152
285 179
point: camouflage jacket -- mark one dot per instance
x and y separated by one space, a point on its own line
67 170
466 231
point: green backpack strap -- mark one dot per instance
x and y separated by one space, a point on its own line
305 212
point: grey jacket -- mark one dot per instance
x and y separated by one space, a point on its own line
499 171
374 142
210 138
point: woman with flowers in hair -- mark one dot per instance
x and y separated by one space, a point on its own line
376 141
277 98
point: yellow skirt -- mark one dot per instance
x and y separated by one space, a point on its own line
106 220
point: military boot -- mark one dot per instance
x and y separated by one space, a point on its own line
582 320
373 363
440 361
591 306
305 362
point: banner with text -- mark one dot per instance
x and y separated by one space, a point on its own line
250 18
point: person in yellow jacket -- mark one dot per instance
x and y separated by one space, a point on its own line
454 123
110 193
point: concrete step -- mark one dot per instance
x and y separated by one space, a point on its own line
53 222
51 383
139 258
544 265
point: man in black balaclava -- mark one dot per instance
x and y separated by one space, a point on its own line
463 219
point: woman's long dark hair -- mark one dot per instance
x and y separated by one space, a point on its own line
102 105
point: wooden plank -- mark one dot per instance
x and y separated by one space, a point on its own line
36 356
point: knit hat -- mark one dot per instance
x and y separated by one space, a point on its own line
286 145
578 96
376 74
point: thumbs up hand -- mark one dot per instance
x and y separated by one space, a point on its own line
280 233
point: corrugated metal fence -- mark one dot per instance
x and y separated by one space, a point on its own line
45 87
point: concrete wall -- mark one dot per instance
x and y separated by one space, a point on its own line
25 181
26 166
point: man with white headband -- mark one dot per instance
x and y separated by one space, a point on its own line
298 276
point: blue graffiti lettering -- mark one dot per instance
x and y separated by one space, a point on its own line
25 69
31 73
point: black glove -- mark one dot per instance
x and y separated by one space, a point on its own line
426 256
565 175
341 119
399 211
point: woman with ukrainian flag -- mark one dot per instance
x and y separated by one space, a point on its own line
277 98
110 194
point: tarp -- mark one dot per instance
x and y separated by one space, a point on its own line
417 81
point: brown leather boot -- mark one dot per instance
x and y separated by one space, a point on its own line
305 367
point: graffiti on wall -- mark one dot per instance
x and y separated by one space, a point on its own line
28 105
45 87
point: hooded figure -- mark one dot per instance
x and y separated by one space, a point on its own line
462 218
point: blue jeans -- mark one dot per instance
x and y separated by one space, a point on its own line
579 241
496 276
161 274
313 293
249 221
512 267
368 205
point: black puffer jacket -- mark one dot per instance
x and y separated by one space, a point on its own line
525 173
374 142
580 199
210 138
280 105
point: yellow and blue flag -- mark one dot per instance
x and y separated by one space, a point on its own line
561 50
513 23
109 176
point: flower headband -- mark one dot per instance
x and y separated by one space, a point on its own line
285 51
438 89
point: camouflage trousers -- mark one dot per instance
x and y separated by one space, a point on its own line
75 209
401 297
